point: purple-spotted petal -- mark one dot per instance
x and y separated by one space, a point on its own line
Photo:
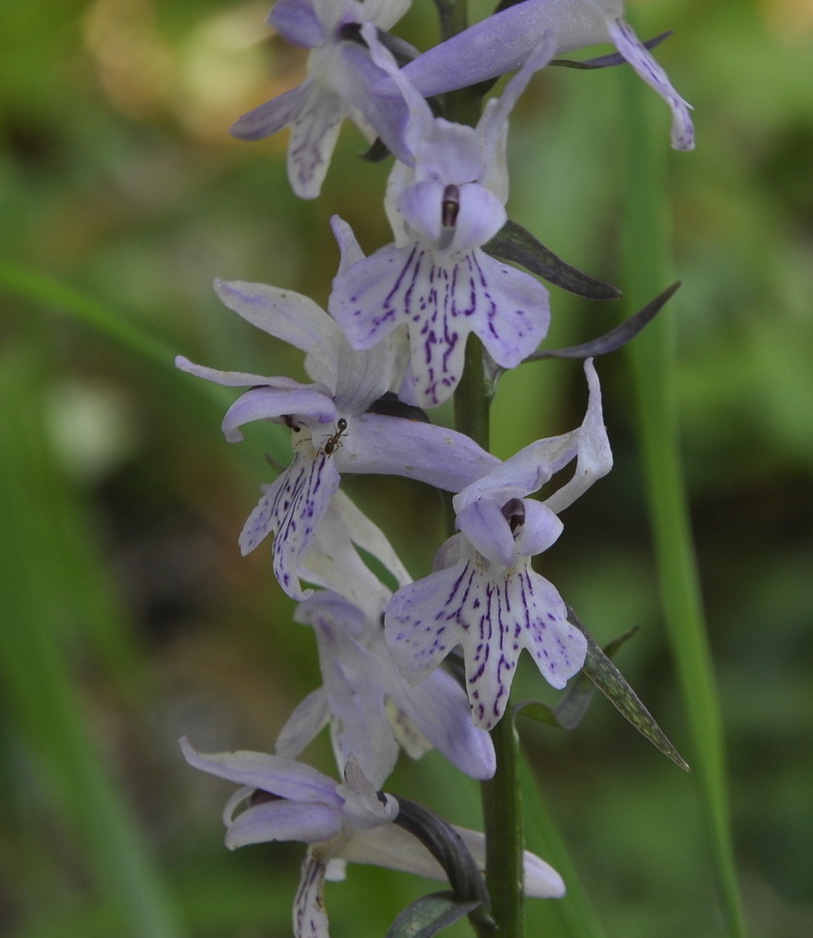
421 625
557 647
639 57
493 616
442 299
310 916
291 509
314 133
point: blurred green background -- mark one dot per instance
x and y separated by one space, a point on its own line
127 616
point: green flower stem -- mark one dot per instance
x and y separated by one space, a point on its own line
471 400
502 805
501 795
653 361
454 17
463 106
504 829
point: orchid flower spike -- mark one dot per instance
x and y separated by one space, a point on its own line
371 708
331 430
445 200
485 595
340 75
502 43
287 801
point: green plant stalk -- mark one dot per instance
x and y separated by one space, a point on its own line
504 829
653 362
465 105
501 795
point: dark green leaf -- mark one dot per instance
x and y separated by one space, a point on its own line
446 846
605 61
429 915
615 338
513 243
536 710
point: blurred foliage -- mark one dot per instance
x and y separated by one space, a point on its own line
128 617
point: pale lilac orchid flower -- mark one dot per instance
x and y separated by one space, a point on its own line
340 76
445 200
485 595
332 433
288 801
503 42
371 708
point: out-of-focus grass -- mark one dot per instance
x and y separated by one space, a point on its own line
128 616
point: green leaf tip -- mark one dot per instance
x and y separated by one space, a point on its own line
608 679
513 243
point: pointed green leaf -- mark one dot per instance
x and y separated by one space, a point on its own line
605 61
513 243
615 338
539 711
609 680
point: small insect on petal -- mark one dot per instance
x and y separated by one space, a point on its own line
336 440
